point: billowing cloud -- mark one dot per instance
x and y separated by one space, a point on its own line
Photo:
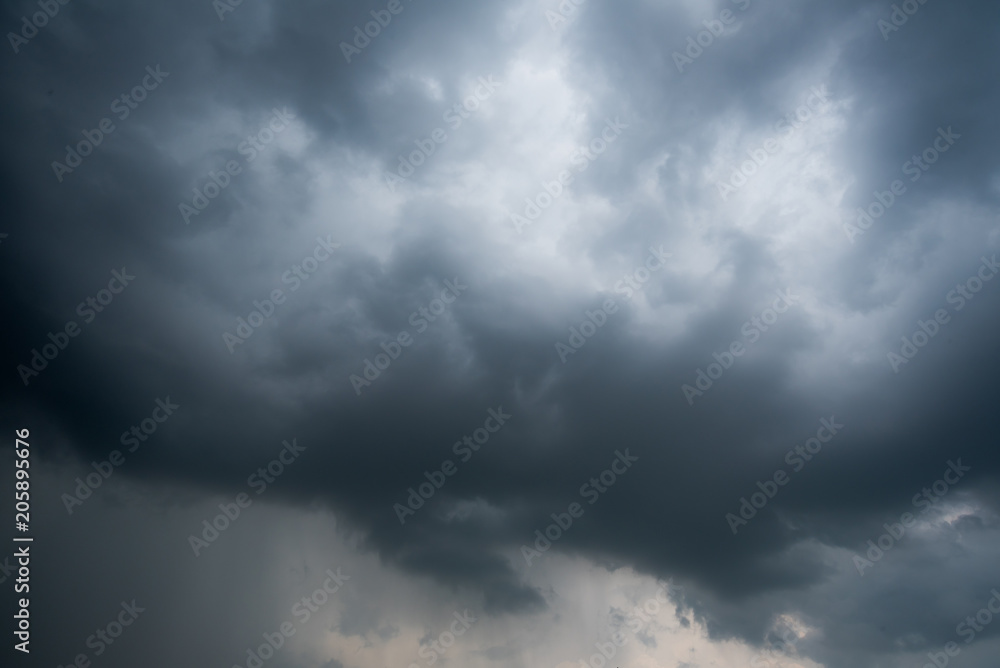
521 313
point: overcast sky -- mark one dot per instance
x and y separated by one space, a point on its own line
529 330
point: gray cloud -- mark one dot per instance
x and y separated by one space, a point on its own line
323 177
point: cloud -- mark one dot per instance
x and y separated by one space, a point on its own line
321 179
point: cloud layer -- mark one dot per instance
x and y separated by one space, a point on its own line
719 273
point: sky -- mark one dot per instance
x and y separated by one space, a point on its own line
501 334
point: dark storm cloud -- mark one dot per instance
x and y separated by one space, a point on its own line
494 346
